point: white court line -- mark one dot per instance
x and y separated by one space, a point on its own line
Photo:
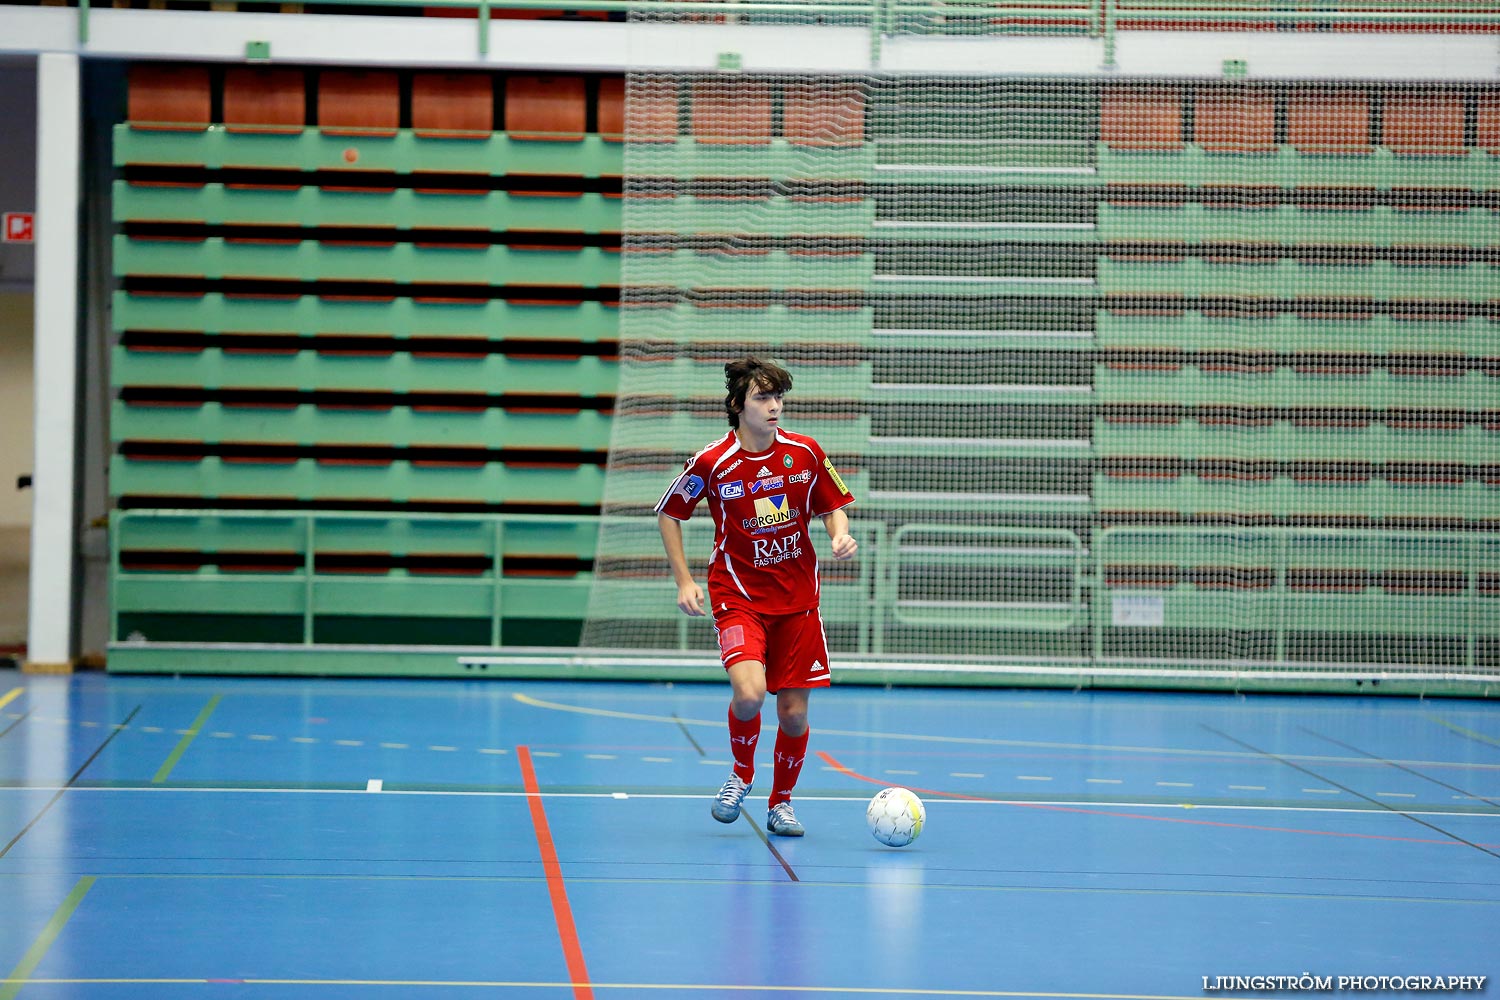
374 785
694 796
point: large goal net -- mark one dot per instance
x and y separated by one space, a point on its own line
1170 377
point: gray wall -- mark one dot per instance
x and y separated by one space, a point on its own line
17 164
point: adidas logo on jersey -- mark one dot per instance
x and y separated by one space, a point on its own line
763 473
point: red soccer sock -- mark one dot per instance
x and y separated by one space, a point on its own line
790 750
743 735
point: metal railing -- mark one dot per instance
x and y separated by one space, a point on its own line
884 19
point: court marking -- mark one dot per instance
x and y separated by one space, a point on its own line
187 740
16 721
20 975
608 713
1311 773
10 696
956 797
1400 767
116 731
515 984
562 913
1460 730
847 772
1017 889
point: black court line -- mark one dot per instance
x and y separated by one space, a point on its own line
1345 788
19 719
119 728
1402 767
770 846
680 725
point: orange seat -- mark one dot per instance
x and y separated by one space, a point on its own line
1141 117
1417 123
452 105
546 107
264 99
359 102
731 111
1235 120
168 98
1329 120
823 114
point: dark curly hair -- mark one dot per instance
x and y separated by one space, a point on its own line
740 375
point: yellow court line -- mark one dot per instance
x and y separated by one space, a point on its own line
18 977
1471 734
186 741
717 987
10 696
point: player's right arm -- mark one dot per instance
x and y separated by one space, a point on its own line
689 594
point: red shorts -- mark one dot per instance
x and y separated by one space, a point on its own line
793 647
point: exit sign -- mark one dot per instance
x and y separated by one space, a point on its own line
19 227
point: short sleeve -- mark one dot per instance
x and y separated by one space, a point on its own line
829 492
683 495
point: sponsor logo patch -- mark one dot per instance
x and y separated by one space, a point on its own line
800 477
767 485
770 551
732 491
688 487
730 468
771 511
837 481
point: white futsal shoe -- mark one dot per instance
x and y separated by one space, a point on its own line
726 807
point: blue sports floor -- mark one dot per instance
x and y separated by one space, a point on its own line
222 838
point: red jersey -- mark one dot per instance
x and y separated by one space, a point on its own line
762 506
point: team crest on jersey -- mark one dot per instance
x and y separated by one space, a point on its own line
786 460
772 511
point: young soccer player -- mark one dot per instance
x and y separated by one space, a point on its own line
764 485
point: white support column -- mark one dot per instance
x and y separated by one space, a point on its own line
54 537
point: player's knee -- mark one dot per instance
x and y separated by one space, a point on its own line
792 719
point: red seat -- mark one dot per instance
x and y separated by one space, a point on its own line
452 105
553 108
1417 123
359 102
652 111
1235 120
168 98
1329 120
734 112
823 114
264 99
1141 117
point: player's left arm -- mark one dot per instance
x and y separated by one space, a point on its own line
837 523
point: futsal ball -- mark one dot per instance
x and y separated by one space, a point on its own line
895 816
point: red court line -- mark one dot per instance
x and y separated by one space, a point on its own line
1125 815
578 973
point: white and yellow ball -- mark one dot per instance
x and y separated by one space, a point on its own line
895 816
